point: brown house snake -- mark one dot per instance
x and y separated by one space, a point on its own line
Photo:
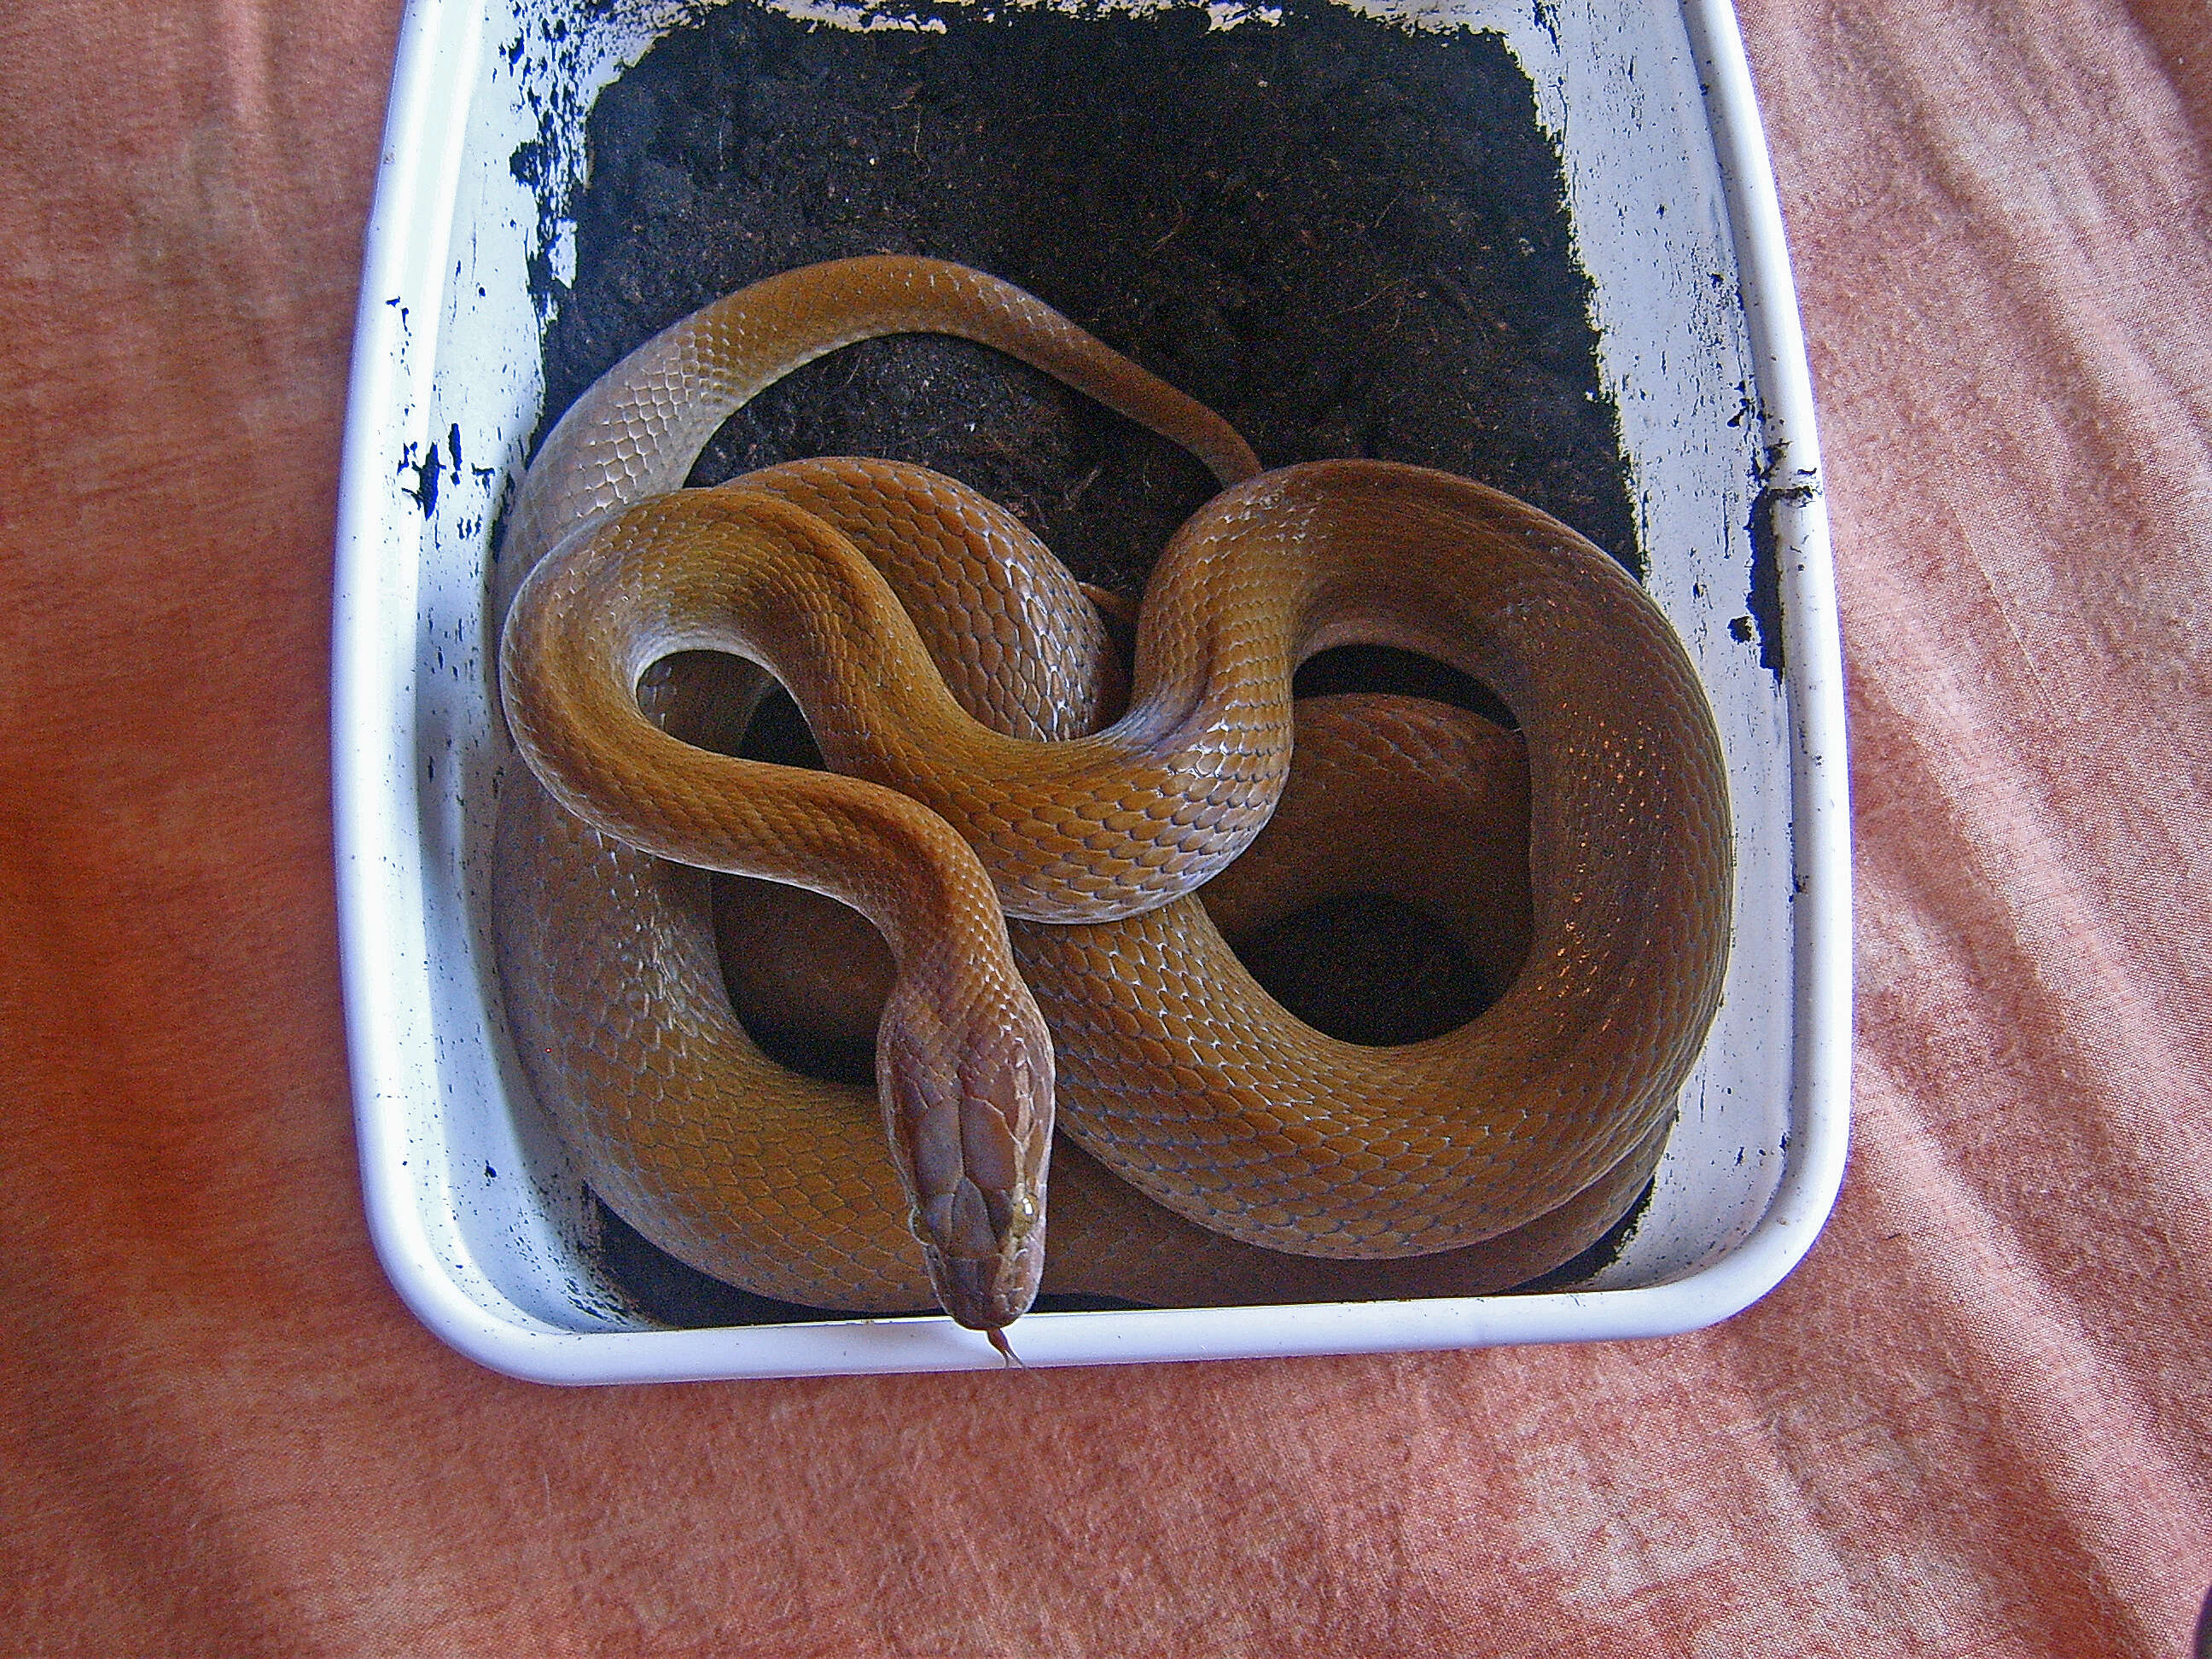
1516 1137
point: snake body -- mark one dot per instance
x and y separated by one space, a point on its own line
1526 1125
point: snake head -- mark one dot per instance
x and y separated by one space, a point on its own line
967 1096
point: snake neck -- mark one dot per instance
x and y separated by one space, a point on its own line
969 1101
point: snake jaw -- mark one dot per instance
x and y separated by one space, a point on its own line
969 1105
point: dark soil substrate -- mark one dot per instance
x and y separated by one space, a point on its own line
1347 238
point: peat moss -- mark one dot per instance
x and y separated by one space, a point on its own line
1349 239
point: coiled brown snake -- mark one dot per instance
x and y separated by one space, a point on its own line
1474 1153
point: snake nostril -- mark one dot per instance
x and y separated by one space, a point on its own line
972 1293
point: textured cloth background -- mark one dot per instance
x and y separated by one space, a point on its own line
1972 1423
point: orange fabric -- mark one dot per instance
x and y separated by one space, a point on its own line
1972 1423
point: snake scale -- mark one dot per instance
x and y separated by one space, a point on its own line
1032 853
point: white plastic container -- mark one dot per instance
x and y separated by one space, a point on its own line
480 1219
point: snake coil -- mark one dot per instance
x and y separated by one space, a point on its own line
954 806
